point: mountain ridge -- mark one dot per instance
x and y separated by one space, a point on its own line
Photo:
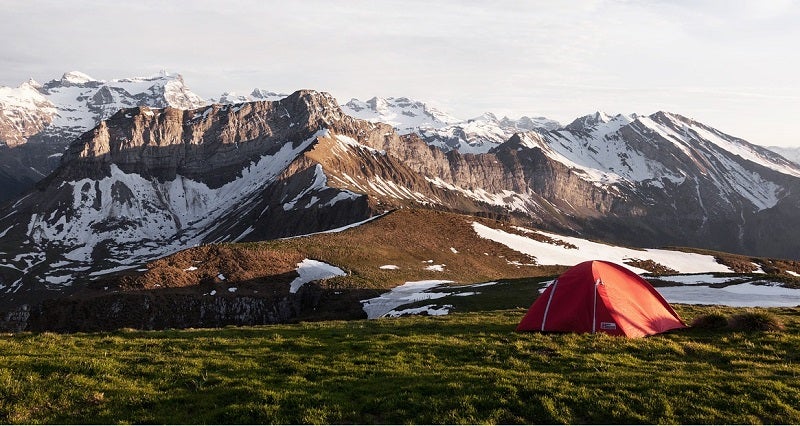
38 121
147 182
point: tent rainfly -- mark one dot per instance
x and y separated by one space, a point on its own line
601 297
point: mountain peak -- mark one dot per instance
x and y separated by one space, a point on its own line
31 83
487 116
404 114
265 95
665 116
76 77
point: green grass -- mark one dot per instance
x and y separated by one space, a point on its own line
463 368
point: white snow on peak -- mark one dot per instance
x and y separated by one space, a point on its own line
24 112
404 114
596 147
603 161
77 102
682 131
715 155
265 95
313 270
256 95
77 77
553 254
480 134
26 96
438 128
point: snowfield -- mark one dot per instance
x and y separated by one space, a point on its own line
738 295
552 254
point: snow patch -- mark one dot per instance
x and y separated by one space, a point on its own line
340 229
550 254
313 270
407 293
738 295
696 279
432 310
389 267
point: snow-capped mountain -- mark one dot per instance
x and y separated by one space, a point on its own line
24 112
38 121
77 102
632 179
404 114
440 129
791 154
481 134
666 150
255 95
147 182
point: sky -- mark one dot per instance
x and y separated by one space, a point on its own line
734 65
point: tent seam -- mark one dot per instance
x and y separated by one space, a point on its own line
549 299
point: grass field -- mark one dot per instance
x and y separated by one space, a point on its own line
463 368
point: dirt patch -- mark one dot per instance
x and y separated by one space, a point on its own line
650 266
541 238
213 264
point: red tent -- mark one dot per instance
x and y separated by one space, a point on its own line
598 296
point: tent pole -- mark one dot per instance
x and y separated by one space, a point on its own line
549 299
594 307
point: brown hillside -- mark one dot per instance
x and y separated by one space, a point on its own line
410 239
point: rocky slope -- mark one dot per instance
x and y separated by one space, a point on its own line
38 121
791 154
148 182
